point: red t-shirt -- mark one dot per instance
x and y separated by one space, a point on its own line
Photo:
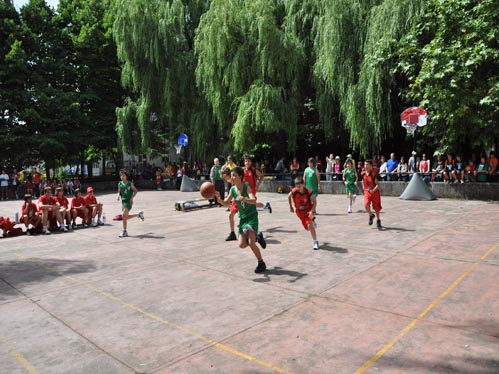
302 201
90 200
250 178
63 201
37 178
52 200
29 210
77 202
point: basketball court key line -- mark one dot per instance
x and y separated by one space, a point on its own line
163 321
413 323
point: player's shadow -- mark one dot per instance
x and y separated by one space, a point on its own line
326 246
327 215
280 229
148 235
396 229
295 275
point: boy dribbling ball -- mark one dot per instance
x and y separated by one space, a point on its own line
305 203
371 193
248 215
127 191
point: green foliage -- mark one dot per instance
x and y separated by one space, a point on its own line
250 69
452 64
352 42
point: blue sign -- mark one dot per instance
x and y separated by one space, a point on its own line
183 140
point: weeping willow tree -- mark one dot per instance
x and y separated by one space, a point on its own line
155 45
352 37
250 69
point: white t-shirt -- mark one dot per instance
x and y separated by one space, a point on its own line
4 180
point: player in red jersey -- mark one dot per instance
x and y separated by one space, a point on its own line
304 202
64 209
372 197
79 209
29 214
49 206
94 207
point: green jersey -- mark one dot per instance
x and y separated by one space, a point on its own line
311 181
350 180
248 215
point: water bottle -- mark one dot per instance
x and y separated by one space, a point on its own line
104 218
17 217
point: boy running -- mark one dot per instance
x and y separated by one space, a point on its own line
305 203
248 215
127 191
350 179
371 192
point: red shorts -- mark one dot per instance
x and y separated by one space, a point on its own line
32 221
304 217
373 199
79 213
233 206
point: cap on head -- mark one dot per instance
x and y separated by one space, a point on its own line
90 189
337 158
349 155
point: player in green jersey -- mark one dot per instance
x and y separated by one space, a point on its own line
126 192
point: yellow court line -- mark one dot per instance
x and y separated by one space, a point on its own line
165 322
30 369
413 323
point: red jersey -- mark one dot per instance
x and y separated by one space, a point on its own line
52 200
63 201
77 202
369 180
303 200
29 210
250 178
90 200
37 178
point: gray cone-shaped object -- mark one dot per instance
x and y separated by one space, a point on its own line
188 185
417 189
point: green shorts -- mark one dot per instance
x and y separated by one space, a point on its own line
350 189
249 223
126 204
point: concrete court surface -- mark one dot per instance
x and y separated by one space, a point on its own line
419 296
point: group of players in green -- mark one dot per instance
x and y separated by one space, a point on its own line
302 201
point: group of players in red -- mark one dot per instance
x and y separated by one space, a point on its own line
55 211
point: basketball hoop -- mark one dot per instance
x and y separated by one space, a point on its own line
178 148
412 118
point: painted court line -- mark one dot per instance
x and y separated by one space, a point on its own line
413 323
163 321
19 357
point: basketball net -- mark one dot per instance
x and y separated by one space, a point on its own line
411 128
178 148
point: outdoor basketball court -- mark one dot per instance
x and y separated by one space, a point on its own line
419 296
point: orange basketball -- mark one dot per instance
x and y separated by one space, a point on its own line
207 190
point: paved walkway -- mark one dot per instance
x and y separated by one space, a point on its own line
419 296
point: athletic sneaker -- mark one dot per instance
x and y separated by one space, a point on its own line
85 224
64 228
123 234
261 240
378 224
74 226
371 218
141 215
100 222
46 231
349 209
267 206
261 267
316 245
94 224
232 236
